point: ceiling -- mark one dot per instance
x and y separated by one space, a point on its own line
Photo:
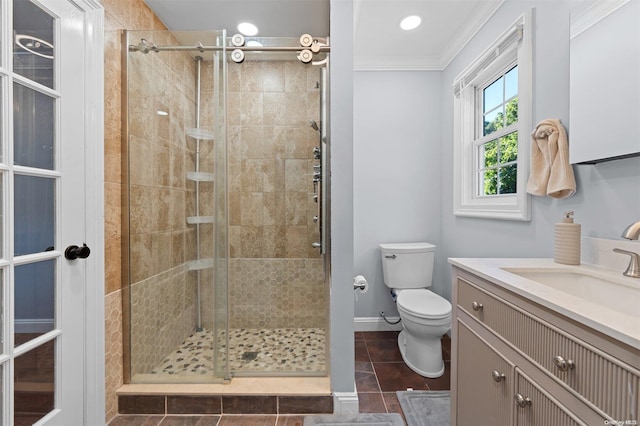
379 43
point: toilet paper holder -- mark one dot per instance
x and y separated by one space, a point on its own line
360 282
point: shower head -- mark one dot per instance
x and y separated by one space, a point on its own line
314 125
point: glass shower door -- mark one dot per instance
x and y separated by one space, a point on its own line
175 221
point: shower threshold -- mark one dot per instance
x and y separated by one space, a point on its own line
308 386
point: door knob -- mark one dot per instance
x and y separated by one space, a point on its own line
75 252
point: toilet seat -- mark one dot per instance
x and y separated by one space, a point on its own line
423 303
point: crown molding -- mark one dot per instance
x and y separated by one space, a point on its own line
472 28
434 62
588 16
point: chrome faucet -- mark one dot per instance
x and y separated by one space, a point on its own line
631 233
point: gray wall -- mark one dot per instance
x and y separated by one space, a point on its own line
341 134
396 171
607 199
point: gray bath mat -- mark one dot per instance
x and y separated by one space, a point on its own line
426 408
354 420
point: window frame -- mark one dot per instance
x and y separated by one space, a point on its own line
513 47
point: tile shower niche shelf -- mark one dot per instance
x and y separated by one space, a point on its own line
203 135
195 220
197 265
200 176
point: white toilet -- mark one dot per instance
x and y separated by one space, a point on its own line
426 316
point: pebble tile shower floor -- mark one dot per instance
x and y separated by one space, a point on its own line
251 350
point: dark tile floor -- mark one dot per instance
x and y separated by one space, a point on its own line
380 372
218 420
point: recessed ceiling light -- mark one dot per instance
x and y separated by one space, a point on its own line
247 29
410 22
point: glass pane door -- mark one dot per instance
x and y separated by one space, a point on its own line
33 176
42 207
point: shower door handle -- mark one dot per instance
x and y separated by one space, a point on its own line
75 252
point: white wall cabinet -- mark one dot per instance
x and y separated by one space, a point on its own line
604 84
515 362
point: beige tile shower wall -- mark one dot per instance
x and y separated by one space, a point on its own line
270 145
275 276
119 15
113 351
277 293
162 316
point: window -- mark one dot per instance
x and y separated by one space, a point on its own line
492 109
497 145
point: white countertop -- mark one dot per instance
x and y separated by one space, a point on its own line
602 317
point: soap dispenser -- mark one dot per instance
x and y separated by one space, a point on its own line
567 241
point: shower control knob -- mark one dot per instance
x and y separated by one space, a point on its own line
315 219
306 40
75 252
316 245
237 56
305 56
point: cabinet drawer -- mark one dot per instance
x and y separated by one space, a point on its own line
536 407
608 384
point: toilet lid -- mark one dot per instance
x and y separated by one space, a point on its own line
424 303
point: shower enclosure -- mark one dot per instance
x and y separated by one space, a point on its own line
224 207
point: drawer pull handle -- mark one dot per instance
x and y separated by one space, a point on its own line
498 376
522 401
477 306
563 364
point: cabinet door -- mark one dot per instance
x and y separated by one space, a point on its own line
534 406
604 84
485 382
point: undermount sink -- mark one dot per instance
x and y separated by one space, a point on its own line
609 292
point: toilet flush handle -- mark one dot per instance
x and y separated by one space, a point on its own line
389 256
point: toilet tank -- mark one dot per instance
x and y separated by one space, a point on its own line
407 265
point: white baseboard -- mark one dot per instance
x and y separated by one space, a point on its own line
375 324
346 403
34 325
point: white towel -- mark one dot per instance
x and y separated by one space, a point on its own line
550 174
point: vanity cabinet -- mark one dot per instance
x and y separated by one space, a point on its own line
515 362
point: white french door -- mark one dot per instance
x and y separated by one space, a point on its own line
46 218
